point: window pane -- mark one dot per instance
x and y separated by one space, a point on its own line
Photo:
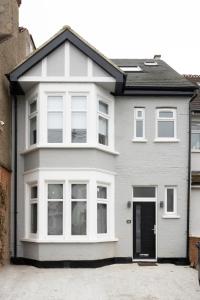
55 103
195 126
144 192
34 218
55 135
78 218
103 131
55 120
139 113
103 107
195 141
33 107
33 131
79 135
139 128
79 103
34 192
101 192
165 129
55 218
170 200
55 191
166 114
78 191
101 218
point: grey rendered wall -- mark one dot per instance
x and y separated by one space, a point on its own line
151 163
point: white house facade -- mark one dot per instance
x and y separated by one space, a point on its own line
100 158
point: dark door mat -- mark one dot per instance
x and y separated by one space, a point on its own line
147 264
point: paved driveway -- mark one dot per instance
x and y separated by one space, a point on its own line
124 282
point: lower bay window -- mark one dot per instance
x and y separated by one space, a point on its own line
74 210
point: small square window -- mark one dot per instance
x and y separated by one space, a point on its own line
78 191
55 191
34 192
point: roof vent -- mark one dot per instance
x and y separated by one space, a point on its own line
150 63
157 56
131 68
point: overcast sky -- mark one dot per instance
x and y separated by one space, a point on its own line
124 28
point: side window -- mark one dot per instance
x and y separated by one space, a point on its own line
166 124
102 209
55 119
170 200
139 124
103 121
33 208
195 140
32 117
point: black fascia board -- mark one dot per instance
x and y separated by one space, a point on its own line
155 93
54 44
160 88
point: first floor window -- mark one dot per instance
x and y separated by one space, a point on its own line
195 141
170 200
166 123
55 119
79 119
102 210
33 208
139 123
55 209
103 113
32 110
78 209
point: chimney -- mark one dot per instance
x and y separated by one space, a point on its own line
157 56
19 2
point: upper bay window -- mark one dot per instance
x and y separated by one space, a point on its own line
195 141
139 124
32 115
55 119
166 124
103 120
79 119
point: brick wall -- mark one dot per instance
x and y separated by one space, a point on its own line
193 251
4 215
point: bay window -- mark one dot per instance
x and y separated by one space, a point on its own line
195 140
78 209
102 209
32 116
79 119
33 209
166 124
103 118
55 119
55 209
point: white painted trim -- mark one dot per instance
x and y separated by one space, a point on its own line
171 217
72 241
162 140
164 119
69 169
174 213
136 118
139 140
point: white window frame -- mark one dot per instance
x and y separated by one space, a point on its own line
174 213
33 201
31 116
104 201
195 132
104 116
63 200
71 113
136 118
84 236
50 94
171 119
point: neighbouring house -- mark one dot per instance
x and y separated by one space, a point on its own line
15 45
195 172
102 157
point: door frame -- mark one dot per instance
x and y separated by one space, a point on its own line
156 220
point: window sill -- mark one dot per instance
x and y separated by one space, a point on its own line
70 147
69 241
139 141
195 151
171 217
166 141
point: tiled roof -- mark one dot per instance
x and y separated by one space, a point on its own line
195 79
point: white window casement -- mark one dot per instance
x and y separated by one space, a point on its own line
166 125
55 119
78 206
79 119
170 203
102 209
139 125
79 194
195 139
55 195
103 123
33 192
32 122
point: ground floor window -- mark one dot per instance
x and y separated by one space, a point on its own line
102 209
33 208
170 200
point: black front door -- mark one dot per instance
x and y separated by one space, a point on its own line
144 230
